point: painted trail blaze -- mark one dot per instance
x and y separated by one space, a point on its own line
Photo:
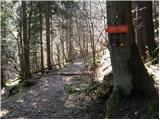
117 29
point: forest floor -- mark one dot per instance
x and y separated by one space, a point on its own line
68 93
54 97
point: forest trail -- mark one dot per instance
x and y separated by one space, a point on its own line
47 98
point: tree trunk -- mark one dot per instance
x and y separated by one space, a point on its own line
2 78
21 52
41 41
30 21
27 73
147 27
130 74
71 50
62 40
48 34
91 30
139 34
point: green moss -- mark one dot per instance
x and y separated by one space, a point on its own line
99 92
114 101
71 89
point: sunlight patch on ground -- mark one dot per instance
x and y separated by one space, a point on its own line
34 103
21 118
3 112
154 71
12 83
67 80
20 101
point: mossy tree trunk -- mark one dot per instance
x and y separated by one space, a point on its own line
129 72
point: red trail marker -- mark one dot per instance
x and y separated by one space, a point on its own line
117 29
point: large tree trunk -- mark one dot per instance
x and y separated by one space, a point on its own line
130 74
27 73
48 34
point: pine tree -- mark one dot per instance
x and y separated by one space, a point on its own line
26 65
47 8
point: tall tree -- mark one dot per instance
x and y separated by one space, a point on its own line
41 41
27 73
47 8
139 32
149 29
146 28
130 74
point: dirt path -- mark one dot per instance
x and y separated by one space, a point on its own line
45 100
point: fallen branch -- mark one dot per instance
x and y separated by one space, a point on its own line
70 74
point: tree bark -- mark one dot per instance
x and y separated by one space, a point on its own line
147 28
30 21
48 34
129 72
27 73
41 41
139 33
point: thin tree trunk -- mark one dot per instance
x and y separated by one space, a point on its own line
41 41
147 27
139 33
48 34
62 40
29 24
147 22
91 29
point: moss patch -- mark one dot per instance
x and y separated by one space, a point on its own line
114 101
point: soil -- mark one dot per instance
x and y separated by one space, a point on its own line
45 100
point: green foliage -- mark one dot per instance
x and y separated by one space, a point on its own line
99 92
71 89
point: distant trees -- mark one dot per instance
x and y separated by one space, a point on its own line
145 29
129 72
9 60
41 32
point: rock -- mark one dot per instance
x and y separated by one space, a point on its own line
136 113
